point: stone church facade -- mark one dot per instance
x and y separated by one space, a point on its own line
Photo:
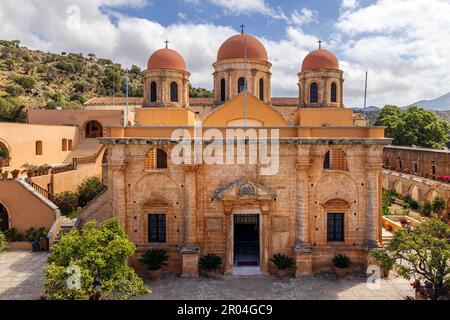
325 197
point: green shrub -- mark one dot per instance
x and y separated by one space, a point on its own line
2 242
438 204
26 82
283 262
33 234
385 260
70 201
210 262
13 236
341 261
154 259
89 189
14 90
4 153
427 208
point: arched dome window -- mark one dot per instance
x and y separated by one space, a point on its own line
153 92
241 85
174 92
222 90
333 92
314 93
261 89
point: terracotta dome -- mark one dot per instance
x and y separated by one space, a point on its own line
320 59
166 59
233 48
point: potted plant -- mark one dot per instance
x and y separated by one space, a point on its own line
385 260
211 263
341 265
5 175
154 259
403 222
283 263
15 173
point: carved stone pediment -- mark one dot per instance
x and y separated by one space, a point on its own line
244 189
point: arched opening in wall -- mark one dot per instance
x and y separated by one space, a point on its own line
4 219
241 85
333 92
314 93
153 92
4 155
222 90
93 129
432 194
414 192
335 159
174 92
155 159
398 187
261 89
105 167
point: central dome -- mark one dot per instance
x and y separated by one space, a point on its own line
233 48
166 59
320 59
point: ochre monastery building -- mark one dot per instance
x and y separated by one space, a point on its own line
323 198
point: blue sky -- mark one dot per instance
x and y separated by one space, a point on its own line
405 44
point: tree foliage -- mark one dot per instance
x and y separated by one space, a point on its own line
2 241
199 92
89 189
100 254
12 110
424 254
415 126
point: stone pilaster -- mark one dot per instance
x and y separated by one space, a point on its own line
372 204
119 191
228 210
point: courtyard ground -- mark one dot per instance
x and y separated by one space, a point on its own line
22 277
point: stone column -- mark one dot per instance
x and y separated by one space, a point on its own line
190 251
119 192
228 210
265 226
302 247
372 205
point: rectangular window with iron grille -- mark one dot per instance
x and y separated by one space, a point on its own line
335 227
157 228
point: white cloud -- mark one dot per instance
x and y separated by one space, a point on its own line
304 16
349 4
403 44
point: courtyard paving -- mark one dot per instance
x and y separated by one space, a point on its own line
22 277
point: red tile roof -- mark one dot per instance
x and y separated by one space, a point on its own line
291 102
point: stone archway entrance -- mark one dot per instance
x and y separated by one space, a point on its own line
4 218
93 129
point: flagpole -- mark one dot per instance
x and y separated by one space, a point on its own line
365 96
245 76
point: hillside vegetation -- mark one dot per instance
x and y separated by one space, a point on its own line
33 78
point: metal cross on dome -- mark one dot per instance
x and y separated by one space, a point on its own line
320 43
167 43
242 28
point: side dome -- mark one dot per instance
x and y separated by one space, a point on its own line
233 48
166 59
320 59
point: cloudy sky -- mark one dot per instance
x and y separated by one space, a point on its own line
404 44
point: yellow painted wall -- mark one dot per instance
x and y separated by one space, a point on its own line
164 117
316 117
234 110
21 142
25 210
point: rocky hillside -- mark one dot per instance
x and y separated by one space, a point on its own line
33 78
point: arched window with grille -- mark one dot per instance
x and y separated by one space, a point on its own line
155 159
335 159
261 89
333 92
153 92
174 92
241 85
222 90
314 93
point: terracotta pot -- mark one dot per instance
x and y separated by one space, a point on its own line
385 273
15 175
281 274
341 273
211 274
29 174
154 274
5 175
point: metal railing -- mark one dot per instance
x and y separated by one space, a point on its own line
57 201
